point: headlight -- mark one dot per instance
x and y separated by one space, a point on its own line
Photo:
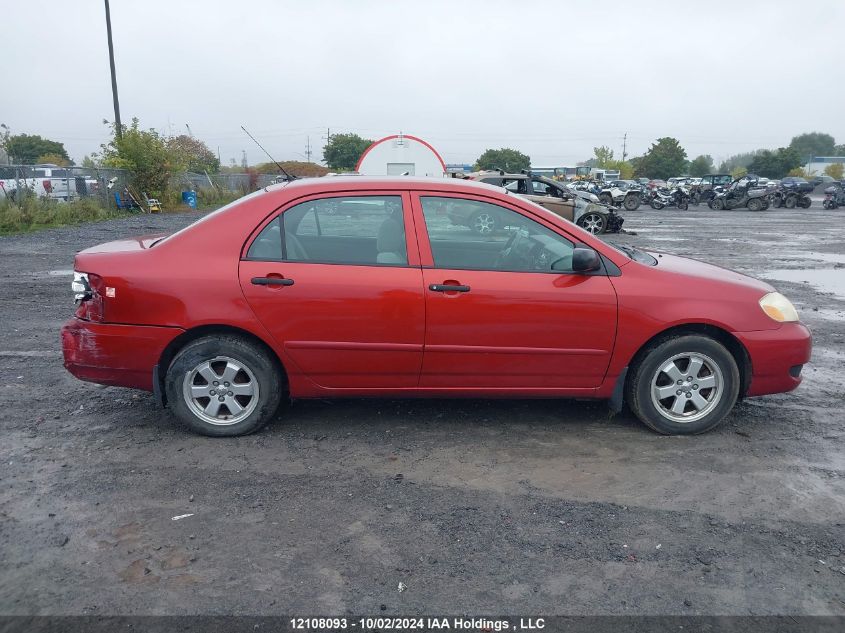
779 308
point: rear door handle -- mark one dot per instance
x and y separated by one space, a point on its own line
448 288
272 281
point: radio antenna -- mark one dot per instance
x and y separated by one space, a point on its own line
281 169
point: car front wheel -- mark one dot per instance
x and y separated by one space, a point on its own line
683 386
223 386
593 222
483 223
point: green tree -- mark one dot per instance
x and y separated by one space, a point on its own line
54 159
626 170
739 172
142 152
813 144
26 148
835 171
89 162
701 165
664 159
508 159
738 160
775 164
191 154
343 150
604 155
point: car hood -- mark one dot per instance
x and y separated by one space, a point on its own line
702 272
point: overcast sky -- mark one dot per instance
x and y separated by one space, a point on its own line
552 79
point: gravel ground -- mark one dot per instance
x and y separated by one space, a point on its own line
512 506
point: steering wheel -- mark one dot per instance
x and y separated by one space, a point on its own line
505 254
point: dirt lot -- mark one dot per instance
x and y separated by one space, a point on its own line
540 507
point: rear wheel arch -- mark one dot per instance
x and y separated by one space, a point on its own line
731 343
202 331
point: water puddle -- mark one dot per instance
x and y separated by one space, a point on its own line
824 279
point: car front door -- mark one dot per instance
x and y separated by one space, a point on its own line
498 316
337 283
551 196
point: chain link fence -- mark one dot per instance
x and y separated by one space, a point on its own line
62 183
244 183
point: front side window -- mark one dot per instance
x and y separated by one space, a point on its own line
362 230
473 235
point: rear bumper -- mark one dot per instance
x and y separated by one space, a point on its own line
110 354
776 357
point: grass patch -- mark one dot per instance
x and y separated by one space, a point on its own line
34 213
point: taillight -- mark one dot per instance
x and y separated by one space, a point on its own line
88 294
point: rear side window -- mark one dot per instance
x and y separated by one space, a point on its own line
362 230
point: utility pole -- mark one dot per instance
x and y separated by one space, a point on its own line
118 128
625 147
308 148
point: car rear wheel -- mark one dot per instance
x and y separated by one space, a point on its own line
593 222
718 204
606 198
755 204
805 202
684 385
223 386
483 223
790 201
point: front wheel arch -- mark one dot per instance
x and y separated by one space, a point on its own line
733 345
193 334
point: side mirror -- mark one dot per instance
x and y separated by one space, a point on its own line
585 260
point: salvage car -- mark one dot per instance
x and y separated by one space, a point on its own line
271 298
576 206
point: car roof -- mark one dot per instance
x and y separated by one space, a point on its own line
360 183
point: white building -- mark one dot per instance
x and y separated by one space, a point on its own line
817 164
401 154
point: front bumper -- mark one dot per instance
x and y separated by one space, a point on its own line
111 354
776 357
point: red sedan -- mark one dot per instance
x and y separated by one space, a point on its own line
338 287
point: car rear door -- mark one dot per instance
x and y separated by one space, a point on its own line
497 315
336 281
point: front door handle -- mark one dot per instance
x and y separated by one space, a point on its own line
272 281
448 288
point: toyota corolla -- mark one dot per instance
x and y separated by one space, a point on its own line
363 287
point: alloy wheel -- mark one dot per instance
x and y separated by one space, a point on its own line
687 387
484 223
593 222
221 391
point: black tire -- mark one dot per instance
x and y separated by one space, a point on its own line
484 222
755 204
632 202
593 222
648 377
827 204
657 205
224 353
718 204
605 198
777 202
789 201
805 202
